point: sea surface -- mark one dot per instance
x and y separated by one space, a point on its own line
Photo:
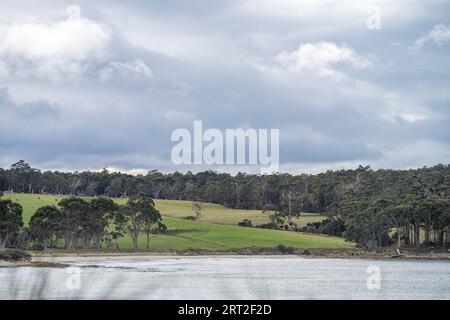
228 277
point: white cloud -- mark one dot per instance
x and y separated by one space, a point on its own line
439 35
128 70
53 50
319 58
72 48
74 38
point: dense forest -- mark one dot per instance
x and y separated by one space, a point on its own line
373 208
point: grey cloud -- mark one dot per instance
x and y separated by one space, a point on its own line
27 111
125 121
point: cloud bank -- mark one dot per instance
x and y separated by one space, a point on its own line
105 83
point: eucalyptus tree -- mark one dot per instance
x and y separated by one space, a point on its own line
116 187
397 217
365 223
10 222
438 214
196 209
3 181
293 196
141 215
275 216
45 223
74 219
24 177
106 219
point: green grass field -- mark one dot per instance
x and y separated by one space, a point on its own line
216 213
217 229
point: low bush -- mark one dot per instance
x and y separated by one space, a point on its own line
14 255
245 223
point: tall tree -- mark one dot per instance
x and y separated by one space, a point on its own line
106 219
10 222
73 220
196 210
45 223
141 215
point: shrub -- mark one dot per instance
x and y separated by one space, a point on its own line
332 227
267 226
245 223
285 250
14 255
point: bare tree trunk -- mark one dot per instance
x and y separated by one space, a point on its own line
379 239
373 241
98 242
135 243
411 235
407 235
441 238
45 243
427 235
446 237
85 242
416 235
70 241
290 207
2 243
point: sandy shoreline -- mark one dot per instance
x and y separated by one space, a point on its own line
409 253
42 259
32 264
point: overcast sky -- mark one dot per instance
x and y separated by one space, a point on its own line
93 84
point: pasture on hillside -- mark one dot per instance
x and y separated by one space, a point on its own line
217 228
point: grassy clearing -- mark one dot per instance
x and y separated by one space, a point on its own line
212 213
203 235
216 229
216 213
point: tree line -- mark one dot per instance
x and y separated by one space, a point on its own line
77 223
372 207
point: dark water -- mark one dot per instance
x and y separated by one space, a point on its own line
229 278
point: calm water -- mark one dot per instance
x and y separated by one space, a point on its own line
228 278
